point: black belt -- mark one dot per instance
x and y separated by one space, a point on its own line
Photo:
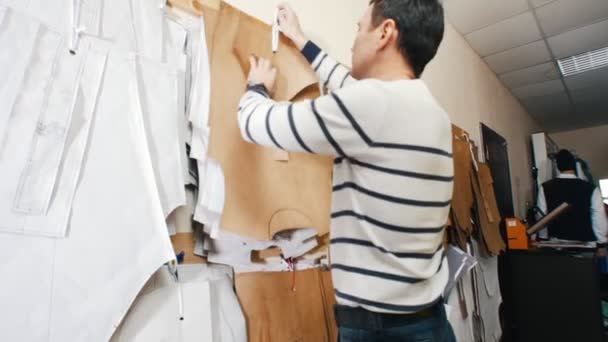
359 318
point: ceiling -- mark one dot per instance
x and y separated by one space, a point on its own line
522 39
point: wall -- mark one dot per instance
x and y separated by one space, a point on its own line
591 144
458 77
472 94
331 24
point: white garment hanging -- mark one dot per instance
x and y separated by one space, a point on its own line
55 288
48 140
490 297
463 327
211 309
180 220
159 89
174 53
158 39
42 153
61 16
197 94
155 314
18 37
19 5
200 92
148 28
158 93
460 264
117 236
109 21
211 199
138 26
175 36
199 111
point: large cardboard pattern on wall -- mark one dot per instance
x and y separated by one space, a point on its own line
263 195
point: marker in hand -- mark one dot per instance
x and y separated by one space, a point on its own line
275 32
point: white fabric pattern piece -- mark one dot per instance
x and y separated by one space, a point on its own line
49 127
148 24
143 28
200 94
18 37
180 220
174 53
110 21
211 309
490 297
463 327
92 276
155 314
19 5
116 237
57 217
56 14
211 197
46 148
158 93
236 251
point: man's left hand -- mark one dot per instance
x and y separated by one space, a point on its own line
262 72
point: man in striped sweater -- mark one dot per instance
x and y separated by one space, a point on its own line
393 172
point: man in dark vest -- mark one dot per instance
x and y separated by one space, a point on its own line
585 220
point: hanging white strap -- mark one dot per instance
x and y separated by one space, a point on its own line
172 267
75 29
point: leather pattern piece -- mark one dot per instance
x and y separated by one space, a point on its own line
487 209
263 195
195 7
463 193
275 312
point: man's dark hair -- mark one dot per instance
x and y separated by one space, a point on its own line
420 25
565 161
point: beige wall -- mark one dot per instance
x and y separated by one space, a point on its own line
591 144
331 24
458 77
472 94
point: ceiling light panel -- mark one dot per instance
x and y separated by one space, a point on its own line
584 62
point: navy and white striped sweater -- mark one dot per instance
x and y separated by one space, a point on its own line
392 180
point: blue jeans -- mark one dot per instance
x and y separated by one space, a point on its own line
432 329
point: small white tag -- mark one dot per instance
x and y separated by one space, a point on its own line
280 155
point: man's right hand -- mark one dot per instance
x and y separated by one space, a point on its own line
290 25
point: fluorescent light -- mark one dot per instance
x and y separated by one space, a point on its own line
584 62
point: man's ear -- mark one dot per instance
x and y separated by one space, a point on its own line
388 33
